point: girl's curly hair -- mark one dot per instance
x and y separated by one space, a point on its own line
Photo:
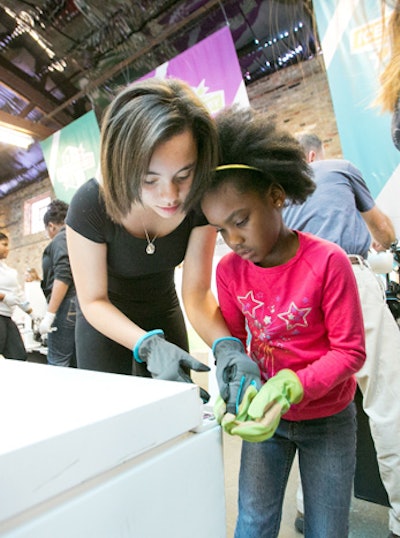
248 138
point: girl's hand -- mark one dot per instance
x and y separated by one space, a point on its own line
235 371
266 409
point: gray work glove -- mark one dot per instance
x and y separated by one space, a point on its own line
235 371
167 361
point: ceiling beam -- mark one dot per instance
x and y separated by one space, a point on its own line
19 82
36 130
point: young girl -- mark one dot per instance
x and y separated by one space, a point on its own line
128 232
293 298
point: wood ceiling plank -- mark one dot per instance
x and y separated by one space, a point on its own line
36 130
20 83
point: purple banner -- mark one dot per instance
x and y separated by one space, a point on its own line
211 67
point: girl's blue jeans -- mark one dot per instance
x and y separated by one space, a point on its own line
327 454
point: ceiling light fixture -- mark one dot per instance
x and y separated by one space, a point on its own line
25 23
15 138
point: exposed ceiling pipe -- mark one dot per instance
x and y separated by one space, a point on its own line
121 65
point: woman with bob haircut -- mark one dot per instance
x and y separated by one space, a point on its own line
128 231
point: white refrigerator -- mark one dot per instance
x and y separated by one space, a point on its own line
86 454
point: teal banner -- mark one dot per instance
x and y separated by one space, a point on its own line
72 155
351 37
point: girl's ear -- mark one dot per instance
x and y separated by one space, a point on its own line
277 195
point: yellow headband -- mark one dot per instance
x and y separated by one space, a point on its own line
236 167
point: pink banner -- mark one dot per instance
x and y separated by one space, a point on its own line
211 67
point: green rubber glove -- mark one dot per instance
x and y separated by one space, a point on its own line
167 361
229 421
223 417
267 407
235 371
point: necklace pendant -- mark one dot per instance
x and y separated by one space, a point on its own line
150 249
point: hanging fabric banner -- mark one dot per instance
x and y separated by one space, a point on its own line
72 155
351 37
211 68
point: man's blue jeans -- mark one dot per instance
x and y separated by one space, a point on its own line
327 455
61 342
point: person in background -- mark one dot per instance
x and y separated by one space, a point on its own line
343 211
35 296
128 231
11 295
31 275
34 292
388 97
58 324
293 297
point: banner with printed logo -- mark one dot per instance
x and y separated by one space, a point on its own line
211 68
72 155
351 34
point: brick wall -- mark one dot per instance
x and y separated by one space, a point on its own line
296 98
25 250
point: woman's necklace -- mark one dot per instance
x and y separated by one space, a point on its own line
150 248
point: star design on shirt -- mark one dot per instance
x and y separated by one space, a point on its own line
295 317
249 304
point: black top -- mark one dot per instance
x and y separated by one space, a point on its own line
130 270
55 265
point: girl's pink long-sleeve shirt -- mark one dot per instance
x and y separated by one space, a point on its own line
304 315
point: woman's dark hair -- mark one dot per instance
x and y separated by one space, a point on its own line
251 139
141 117
56 212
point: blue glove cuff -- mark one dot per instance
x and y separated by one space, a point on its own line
218 340
135 350
239 394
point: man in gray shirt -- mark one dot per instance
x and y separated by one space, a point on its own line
343 211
